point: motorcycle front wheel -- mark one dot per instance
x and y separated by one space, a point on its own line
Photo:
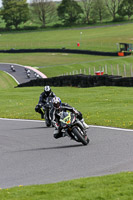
81 138
47 120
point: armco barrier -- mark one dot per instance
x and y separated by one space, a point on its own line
81 81
63 50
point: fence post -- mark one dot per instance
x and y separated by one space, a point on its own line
100 68
118 72
131 70
112 70
89 71
80 71
106 70
94 70
124 70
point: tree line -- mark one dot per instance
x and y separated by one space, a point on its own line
68 12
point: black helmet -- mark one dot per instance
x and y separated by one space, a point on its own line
47 90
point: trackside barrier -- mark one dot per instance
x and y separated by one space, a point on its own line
63 50
81 80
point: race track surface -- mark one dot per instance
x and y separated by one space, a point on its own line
20 74
30 155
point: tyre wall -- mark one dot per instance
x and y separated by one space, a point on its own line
81 81
63 50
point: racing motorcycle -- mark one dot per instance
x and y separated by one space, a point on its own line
47 108
73 128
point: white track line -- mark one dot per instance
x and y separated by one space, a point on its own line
112 128
26 120
12 77
38 121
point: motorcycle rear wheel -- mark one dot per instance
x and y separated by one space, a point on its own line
47 120
83 139
48 123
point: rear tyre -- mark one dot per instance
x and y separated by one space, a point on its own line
47 121
79 137
48 124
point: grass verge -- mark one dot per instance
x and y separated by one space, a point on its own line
6 81
111 187
106 106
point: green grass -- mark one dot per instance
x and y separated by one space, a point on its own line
101 39
67 63
111 187
6 81
107 106
87 64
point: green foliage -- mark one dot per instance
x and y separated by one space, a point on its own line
69 11
44 10
15 12
99 11
87 6
112 6
126 8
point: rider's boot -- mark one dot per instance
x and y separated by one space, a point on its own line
84 124
42 115
57 133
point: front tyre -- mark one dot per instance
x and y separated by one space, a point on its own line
79 137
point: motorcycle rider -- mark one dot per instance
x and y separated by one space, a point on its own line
58 107
42 100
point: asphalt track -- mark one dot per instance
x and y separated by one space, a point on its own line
30 155
20 74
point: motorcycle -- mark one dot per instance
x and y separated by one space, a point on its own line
73 128
47 108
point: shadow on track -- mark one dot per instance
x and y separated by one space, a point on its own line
51 148
44 127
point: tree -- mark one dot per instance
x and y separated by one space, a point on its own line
45 10
113 6
69 11
99 10
126 8
14 12
87 6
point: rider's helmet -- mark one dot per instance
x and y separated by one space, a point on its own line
56 102
47 90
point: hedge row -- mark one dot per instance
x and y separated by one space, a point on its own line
63 50
81 81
